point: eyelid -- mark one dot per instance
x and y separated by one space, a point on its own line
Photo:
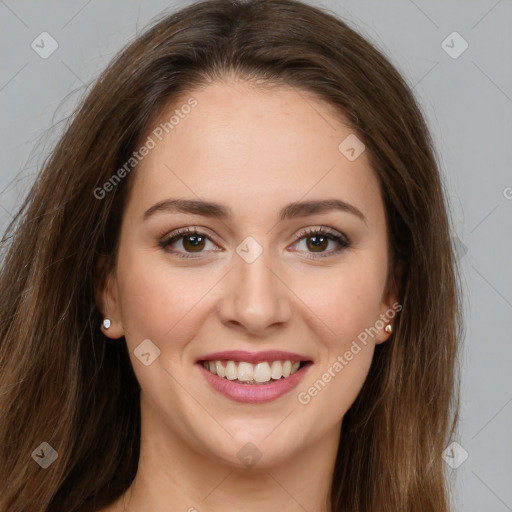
337 236
179 233
187 230
322 229
334 235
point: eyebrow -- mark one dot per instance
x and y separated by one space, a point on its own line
219 211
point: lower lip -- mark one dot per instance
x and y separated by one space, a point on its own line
253 393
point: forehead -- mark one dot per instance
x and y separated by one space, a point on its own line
240 143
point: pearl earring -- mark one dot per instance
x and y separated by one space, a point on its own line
388 328
106 323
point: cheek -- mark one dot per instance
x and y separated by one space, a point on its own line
349 306
332 388
158 302
346 299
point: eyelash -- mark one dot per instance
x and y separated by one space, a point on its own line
342 240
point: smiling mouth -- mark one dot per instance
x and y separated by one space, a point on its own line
264 372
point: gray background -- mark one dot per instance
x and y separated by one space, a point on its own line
468 104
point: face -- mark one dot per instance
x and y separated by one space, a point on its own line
288 263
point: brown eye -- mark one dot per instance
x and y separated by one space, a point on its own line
317 243
193 243
186 243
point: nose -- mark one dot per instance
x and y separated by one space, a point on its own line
254 299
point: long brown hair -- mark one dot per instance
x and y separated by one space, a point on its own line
63 383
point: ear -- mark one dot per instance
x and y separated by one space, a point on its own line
107 299
390 306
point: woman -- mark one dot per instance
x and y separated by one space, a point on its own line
232 284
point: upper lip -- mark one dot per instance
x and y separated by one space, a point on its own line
253 357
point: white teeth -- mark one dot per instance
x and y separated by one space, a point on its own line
259 373
277 370
262 372
231 371
287 368
220 369
245 372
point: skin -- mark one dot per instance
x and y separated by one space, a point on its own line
254 150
